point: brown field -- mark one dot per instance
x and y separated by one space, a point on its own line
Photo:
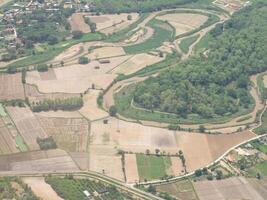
77 23
112 23
70 134
28 125
11 86
184 22
131 170
38 161
71 79
7 141
231 188
183 190
59 114
259 185
90 109
35 96
199 149
40 188
136 63
81 159
105 159
230 5
106 52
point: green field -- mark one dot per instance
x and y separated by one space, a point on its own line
187 42
152 167
258 168
263 128
72 189
162 32
20 142
2 111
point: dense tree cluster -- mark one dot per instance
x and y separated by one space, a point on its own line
58 104
119 6
47 143
217 85
41 26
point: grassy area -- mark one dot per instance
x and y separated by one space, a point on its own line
53 51
263 128
181 189
203 43
124 98
261 86
2 111
258 168
72 189
162 32
151 166
20 142
261 147
187 42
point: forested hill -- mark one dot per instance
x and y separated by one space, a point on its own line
217 85
118 6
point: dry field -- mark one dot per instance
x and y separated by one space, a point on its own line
71 79
199 149
59 114
11 86
7 141
35 96
28 125
136 63
104 159
184 22
131 170
90 109
108 24
40 188
38 161
70 134
77 23
231 188
106 52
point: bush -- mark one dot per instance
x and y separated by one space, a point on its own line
42 68
112 111
77 35
47 143
83 60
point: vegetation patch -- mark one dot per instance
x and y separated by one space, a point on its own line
152 166
72 189
263 128
47 143
187 42
21 144
162 32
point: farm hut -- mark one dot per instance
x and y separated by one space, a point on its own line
87 194
104 61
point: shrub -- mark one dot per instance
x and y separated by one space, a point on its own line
83 60
42 68
47 143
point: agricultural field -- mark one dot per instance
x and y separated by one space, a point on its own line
153 167
70 134
187 42
72 79
28 125
106 52
184 22
181 190
77 23
136 63
237 188
37 161
11 86
109 24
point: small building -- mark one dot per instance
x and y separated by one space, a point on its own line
87 194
